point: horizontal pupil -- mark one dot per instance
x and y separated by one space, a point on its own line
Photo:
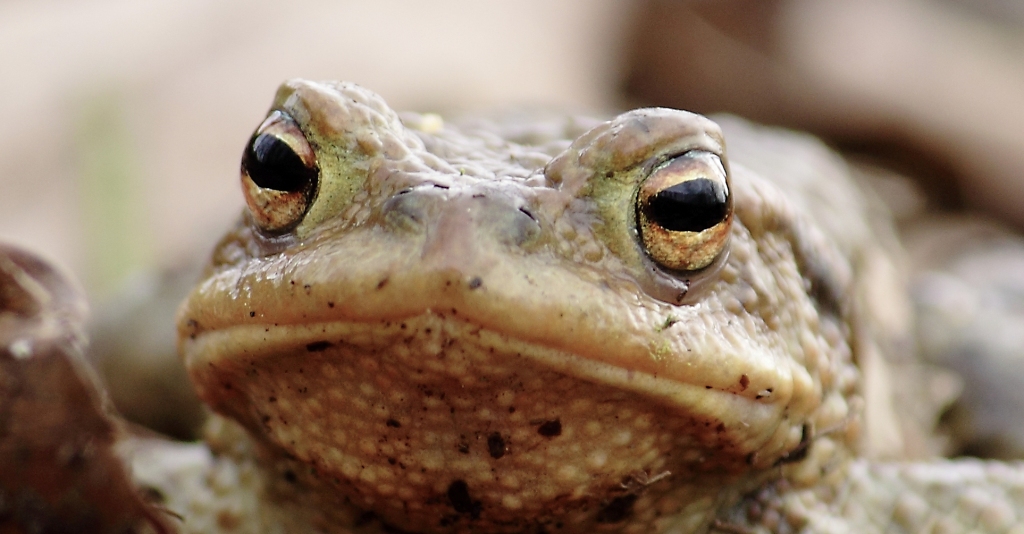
272 164
690 206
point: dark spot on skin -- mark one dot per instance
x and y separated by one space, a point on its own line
458 496
318 346
252 314
330 304
289 475
383 282
272 399
707 387
393 423
463 447
496 445
550 429
475 282
744 382
227 385
618 509
720 427
511 409
392 461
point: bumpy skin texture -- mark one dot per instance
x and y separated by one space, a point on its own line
465 334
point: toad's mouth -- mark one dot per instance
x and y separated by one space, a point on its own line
416 410
316 388
579 315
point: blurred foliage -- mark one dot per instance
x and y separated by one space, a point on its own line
113 218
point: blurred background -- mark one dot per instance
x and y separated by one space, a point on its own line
123 122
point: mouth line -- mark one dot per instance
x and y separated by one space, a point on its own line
433 335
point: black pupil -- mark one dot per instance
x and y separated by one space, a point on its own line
272 164
689 206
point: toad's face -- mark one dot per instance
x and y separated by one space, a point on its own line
456 329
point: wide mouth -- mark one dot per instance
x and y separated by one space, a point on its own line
408 409
551 304
438 347
436 332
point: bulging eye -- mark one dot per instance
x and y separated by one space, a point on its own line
684 211
279 174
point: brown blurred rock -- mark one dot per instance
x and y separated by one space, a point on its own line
59 472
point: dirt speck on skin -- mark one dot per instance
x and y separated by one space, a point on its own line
496 445
550 429
458 496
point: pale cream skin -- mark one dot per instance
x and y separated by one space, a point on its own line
480 329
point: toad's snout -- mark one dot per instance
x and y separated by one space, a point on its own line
460 226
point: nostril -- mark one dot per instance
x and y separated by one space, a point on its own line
406 210
515 226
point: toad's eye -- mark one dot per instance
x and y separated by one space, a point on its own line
684 211
279 174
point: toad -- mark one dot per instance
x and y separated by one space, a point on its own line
564 325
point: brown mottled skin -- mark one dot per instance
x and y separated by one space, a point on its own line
465 332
